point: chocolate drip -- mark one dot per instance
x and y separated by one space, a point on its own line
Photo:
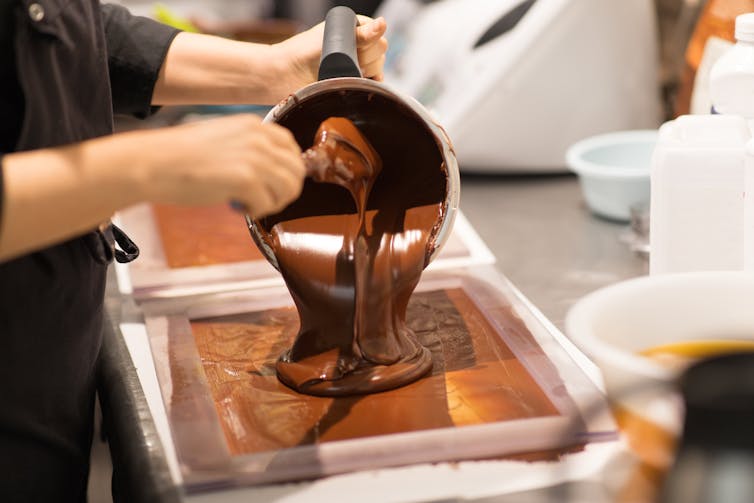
341 155
413 173
351 275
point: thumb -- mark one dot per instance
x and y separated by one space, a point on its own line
369 31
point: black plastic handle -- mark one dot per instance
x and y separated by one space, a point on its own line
339 57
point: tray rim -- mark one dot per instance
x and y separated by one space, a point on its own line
323 459
150 278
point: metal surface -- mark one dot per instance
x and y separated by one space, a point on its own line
140 469
545 239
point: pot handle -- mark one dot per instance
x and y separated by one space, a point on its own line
339 58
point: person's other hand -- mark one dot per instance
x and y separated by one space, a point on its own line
371 46
301 53
235 158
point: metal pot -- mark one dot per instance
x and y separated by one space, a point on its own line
419 165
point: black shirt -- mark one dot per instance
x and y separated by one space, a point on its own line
65 67
11 97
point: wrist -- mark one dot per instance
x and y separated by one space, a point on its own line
295 66
210 70
139 160
122 166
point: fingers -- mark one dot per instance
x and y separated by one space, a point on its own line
369 30
259 204
283 191
277 178
231 158
285 173
271 194
371 46
283 138
373 69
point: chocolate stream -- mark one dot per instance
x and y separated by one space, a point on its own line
353 336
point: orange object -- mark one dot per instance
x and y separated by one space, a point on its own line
203 235
718 19
476 379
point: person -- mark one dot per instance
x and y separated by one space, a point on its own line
65 67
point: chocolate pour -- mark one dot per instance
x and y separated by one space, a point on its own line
341 155
351 274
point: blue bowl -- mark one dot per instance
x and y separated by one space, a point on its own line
613 171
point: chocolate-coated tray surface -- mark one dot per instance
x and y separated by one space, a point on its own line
208 249
500 385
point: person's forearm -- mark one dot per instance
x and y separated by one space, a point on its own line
204 69
54 194
50 195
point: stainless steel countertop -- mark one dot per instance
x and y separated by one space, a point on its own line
545 239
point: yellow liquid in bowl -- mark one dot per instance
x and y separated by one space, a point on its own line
653 444
679 355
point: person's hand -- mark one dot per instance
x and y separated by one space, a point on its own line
236 158
371 46
53 194
301 53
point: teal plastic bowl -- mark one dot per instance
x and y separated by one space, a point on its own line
613 171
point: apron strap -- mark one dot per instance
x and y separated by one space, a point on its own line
126 250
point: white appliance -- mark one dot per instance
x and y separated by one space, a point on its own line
515 82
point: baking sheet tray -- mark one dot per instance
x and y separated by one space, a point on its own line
509 389
199 250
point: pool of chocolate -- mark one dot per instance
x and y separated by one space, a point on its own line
475 377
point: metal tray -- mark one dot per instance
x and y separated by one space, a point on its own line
204 446
151 275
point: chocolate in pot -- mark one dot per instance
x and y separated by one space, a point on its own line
352 250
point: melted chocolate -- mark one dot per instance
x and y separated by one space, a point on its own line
475 378
341 155
375 350
351 273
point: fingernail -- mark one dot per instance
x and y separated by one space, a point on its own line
239 206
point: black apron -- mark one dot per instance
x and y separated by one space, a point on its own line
51 301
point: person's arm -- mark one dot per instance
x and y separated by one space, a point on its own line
136 49
50 195
203 69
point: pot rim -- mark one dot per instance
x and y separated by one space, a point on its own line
453 194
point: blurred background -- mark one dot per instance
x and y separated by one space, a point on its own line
628 65
269 20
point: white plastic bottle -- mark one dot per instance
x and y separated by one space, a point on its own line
732 93
732 75
697 198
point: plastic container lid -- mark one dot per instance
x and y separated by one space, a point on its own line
745 27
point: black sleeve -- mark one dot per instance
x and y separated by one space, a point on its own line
2 190
136 48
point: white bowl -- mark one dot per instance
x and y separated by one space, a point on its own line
613 170
613 324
